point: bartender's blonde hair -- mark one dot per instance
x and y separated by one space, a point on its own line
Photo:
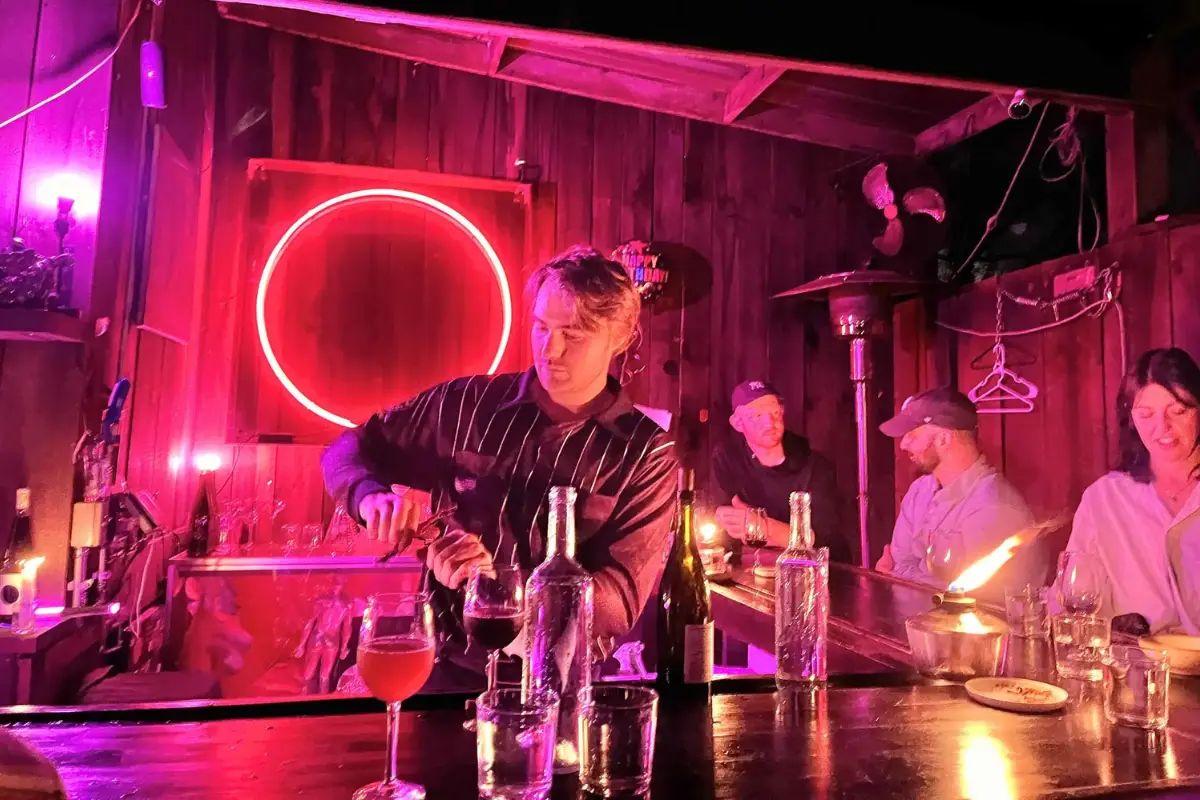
602 289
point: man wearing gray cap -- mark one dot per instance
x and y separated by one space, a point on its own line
961 508
765 464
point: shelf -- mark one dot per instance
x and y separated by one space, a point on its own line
37 325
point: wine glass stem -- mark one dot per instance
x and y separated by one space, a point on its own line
492 668
393 739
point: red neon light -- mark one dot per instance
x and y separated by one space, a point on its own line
354 198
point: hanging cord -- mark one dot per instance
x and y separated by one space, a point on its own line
1107 282
994 218
1069 148
22 114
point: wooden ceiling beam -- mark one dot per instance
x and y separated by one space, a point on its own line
497 46
824 123
749 89
975 118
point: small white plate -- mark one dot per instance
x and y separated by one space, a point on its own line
1017 694
1182 651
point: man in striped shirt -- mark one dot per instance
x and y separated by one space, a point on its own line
493 445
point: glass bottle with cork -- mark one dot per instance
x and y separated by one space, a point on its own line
801 601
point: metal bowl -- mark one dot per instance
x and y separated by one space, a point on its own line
956 640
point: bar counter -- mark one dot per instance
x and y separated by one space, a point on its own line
872 733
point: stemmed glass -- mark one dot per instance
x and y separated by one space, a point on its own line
756 536
494 613
1082 582
946 556
395 657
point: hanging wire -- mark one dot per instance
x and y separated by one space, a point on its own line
994 218
22 114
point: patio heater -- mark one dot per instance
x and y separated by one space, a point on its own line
860 308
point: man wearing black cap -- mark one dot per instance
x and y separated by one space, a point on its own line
765 464
960 502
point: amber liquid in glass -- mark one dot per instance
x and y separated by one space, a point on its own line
394 668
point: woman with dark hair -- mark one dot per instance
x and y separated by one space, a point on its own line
1143 519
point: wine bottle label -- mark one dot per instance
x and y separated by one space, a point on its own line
698 653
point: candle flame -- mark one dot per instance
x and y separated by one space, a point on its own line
29 567
982 570
707 531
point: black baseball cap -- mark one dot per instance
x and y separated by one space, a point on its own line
947 408
749 391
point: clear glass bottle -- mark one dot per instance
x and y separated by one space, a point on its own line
801 601
558 625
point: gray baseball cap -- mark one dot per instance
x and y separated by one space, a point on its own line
946 408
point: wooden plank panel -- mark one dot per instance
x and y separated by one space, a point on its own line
666 313
17 42
572 169
364 101
1184 246
697 416
790 172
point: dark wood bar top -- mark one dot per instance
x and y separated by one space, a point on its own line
899 741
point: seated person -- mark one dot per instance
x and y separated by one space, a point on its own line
958 495
765 464
1142 520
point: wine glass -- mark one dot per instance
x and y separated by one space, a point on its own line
1082 582
494 613
946 555
395 657
756 534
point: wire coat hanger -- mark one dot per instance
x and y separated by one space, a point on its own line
1008 391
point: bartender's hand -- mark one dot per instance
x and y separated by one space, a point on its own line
394 517
453 556
885 562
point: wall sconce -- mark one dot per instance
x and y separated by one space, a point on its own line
643 265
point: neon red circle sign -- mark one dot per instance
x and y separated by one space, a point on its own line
356 198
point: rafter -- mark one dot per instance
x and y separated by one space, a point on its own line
497 47
749 89
975 118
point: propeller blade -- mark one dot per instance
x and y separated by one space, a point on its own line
876 189
892 239
924 200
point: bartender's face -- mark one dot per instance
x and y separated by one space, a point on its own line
760 421
1168 425
569 359
922 446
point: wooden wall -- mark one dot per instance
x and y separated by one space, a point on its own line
44 46
743 215
1069 439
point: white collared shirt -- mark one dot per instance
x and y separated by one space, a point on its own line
1151 556
980 504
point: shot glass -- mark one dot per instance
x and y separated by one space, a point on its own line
1080 644
616 738
514 743
1137 684
1025 608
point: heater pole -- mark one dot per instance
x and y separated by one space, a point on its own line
860 374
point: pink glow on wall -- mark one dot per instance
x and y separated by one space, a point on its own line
350 199
81 188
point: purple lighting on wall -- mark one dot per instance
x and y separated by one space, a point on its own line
82 189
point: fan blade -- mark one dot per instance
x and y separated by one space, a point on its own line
876 189
892 239
924 200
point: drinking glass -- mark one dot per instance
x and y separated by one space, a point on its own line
946 556
1080 644
1136 687
1082 582
395 657
1025 609
616 737
515 745
756 533
494 613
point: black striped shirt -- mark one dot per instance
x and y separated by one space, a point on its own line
493 445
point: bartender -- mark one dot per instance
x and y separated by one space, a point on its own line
493 445
765 463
